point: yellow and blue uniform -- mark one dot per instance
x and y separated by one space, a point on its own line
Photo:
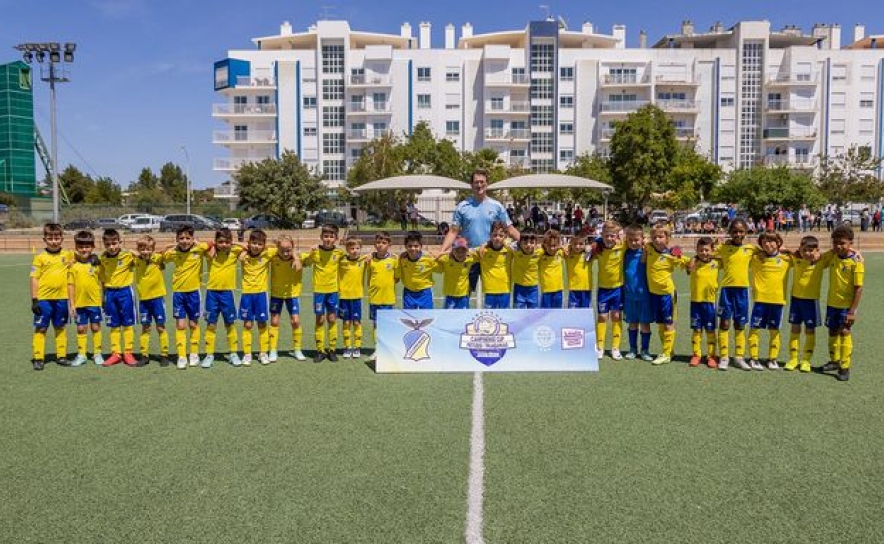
526 278
846 275
704 292
495 265
417 282
455 280
807 281
118 276
659 267
255 282
150 283
186 280
733 299
285 286
770 275
351 281
551 268
220 285
383 273
85 279
50 271
579 271
610 277
325 261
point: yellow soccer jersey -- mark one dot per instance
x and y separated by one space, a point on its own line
382 275
526 267
149 279
51 272
188 267
256 271
118 271
704 281
325 268
495 270
610 275
285 281
86 280
222 269
579 272
735 263
351 278
455 275
552 272
844 276
807 277
417 275
770 275
659 268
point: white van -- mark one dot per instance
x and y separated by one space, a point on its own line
146 223
129 218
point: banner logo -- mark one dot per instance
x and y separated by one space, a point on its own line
487 339
417 342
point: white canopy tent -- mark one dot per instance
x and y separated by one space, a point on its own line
553 181
417 182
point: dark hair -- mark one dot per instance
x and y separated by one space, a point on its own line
770 236
84 238
382 236
704 241
736 222
223 234
498 225
329 228
413 236
528 234
809 242
110 234
479 172
52 228
184 229
842 232
258 235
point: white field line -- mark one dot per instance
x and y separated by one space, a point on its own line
476 482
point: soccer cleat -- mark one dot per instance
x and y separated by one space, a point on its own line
695 360
773 365
646 356
208 361
630 355
831 366
843 375
299 355
742 364
756 364
356 353
37 364
600 352
129 359
661 359
711 361
616 355
320 355
62 362
332 356
791 365
144 361
263 359
804 366
247 359
194 359
98 358
79 360
723 363
346 353
112 360
274 356
182 363
235 360
167 360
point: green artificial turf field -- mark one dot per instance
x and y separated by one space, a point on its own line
300 452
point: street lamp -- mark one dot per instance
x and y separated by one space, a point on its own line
53 75
187 176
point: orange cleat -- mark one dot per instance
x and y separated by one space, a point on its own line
695 361
129 359
112 360
712 361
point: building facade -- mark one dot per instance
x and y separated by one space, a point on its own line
544 95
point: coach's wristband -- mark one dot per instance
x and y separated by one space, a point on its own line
35 306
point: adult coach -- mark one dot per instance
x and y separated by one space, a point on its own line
473 218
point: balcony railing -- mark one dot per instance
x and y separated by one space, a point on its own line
512 106
368 107
513 134
365 134
794 104
626 79
677 105
228 163
806 78
249 81
685 132
512 79
795 161
622 105
243 109
369 79
677 79
244 137
787 133
607 133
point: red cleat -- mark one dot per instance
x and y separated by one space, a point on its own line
695 361
712 361
129 359
112 360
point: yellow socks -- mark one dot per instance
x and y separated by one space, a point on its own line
82 343
247 341
710 343
39 345
346 333
357 334
667 338
128 339
274 337
297 337
232 339
794 340
211 335
195 340
696 341
754 339
835 348
164 342
320 336
846 351
616 334
739 343
96 341
332 335
723 342
61 343
774 350
263 338
115 340
180 342
144 341
809 345
601 329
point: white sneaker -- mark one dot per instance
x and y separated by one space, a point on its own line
356 353
182 363
600 352
99 359
646 356
773 365
79 360
616 355
346 353
661 359
740 362
263 358
723 363
247 359
756 365
194 359
208 361
300 356
235 360
274 356
631 355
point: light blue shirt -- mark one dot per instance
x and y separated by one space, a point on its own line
473 219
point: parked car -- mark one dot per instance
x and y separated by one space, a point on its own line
232 223
171 223
129 218
331 217
146 223
266 221
851 217
80 224
107 223
658 216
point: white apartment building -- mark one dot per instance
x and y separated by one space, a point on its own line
543 95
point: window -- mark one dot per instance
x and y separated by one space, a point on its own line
566 155
378 128
334 170
333 116
867 100
380 101
452 128
867 72
240 133
309 131
541 116
566 102
837 126
623 75
727 101
24 79
333 59
333 143
309 102
497 103
866 127
452 75
541 142
839 99
332 89
423 101
518 75
728 71
423 74
566 128
566 73
541 88
452 101
839 72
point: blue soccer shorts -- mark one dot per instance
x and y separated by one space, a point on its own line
766 316
702 316
498 301
457 303
186 305
291 304
733 304
350 309
88 314
119 307
836 318
610 300
526 296
220 303
638 310
551 300
417 300
579 299
153 309
325 303
253 307
373 310
662 308
52 311
805 311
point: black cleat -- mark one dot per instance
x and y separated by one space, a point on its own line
38 364
332 356
843 375
143 361
62 362
831 366
320 355
167 360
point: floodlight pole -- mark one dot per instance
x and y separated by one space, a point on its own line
56 212
187 176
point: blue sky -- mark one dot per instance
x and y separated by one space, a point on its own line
141 83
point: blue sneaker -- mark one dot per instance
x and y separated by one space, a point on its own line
235 360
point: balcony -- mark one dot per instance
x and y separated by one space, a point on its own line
257 82
369 80
621 106
513 107
625 80
788 133
802 79
251 137
792 105
367 108
365 134
508 135
677 80
679 106
229 164
229 109
791 161
684 133
606 133
512 80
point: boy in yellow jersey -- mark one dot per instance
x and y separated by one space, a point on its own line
525 271
222 260
253 302
416 270
704 290
84 289
49 295
733 295
118 275
578 267
636 299
495 260
286 280
609 252
846 272
551 268
804 306
455 269
770 275
661 261
351 281
325 259
187 256
151 286
383 273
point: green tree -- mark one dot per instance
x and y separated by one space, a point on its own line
643 153
850 177
105 191
145 193
593 167
758 189
284 187
381 158
76 184
173 183
691 179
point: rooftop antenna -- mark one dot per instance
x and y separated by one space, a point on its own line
563 25
545 8
327 12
